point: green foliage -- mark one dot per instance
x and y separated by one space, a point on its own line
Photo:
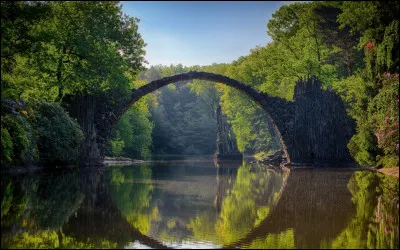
133 199
7 198
56 199
197 113
59 136
300 44
378 24
23 140
344 55
34 202
203 226
51 49
249 123
322 39
241 209
41 129
76 47
245 204
385 117
15 200
132 135
117 145
375 224
138 139
46 239
41 240
248 120
362 147
358 92
283 240
6 146
24 83
184 122
39 207
188 126
373 92
18 132
17 19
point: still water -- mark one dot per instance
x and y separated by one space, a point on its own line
191 202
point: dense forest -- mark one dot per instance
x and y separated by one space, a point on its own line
52 50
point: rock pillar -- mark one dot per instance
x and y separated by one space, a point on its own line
226 140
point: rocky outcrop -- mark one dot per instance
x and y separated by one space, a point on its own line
275 159
97 117
320 128
226 141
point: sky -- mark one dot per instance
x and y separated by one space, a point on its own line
201 32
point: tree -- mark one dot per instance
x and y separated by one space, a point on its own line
374 107
53 49
81 47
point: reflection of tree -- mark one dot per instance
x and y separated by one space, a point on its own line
375 224
244 205
52 239
99 220
14 201
97 223
58 197
283 240
247 203
226 178
32 203
315 205
203 227
45 202
182 191
133 198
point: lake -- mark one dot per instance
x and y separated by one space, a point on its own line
192 202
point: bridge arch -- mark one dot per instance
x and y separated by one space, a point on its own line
314 128
265 102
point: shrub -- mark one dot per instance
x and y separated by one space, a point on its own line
22 139
385 116
59 136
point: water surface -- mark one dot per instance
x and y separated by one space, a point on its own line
191 202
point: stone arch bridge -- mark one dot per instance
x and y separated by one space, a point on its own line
313 128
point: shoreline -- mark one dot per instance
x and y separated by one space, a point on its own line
110 161
119 160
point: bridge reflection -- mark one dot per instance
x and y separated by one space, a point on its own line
315 204
99 218
100 215
242 206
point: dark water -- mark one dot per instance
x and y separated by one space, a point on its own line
192 203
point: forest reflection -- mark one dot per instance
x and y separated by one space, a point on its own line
226 205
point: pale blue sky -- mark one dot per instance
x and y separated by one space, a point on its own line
201 33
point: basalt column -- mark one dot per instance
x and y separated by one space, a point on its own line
96 118
321 128
226 141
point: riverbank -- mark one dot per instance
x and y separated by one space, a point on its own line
31 169
386 171
16 170
120 161
124 161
